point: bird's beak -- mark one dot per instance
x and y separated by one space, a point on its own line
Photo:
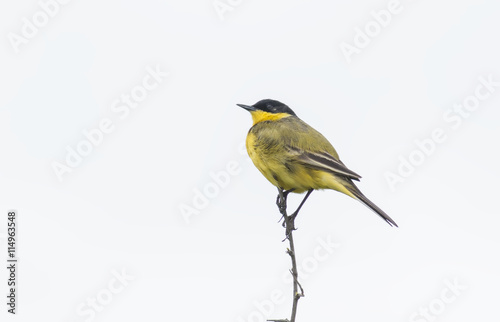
247 107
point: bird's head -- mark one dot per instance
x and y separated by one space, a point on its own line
268 110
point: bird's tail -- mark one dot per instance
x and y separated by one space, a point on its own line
365 201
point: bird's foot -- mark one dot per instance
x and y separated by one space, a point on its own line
289 223
281 199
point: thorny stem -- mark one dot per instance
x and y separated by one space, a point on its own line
289 224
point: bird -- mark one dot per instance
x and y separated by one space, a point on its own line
296 158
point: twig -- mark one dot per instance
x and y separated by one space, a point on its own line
289 224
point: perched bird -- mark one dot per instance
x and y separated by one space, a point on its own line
295 157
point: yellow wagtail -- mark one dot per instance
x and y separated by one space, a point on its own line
295 157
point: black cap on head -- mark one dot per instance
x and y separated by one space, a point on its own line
272 106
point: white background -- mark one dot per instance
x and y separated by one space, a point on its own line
119 209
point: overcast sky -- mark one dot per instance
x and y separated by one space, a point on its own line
123 155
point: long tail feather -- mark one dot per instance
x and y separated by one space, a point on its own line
365 201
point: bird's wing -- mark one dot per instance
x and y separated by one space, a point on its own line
323 161
304 144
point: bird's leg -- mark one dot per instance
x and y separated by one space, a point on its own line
281 200
291 219
301 204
